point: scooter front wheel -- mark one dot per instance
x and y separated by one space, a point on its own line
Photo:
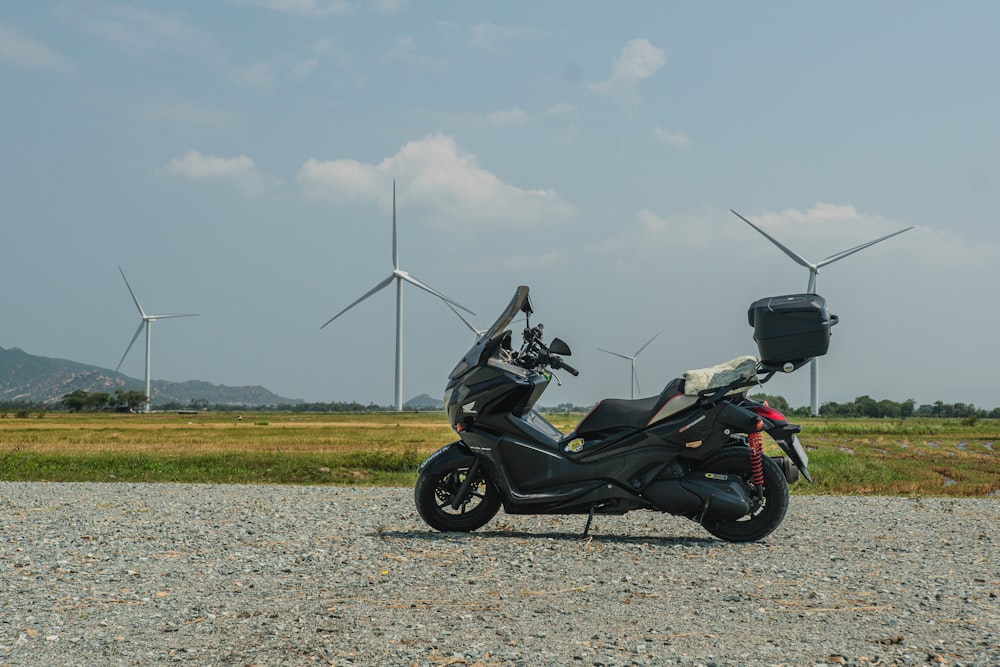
435 497
770 509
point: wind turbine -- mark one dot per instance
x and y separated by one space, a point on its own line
400 277
146 321
631 359
811 289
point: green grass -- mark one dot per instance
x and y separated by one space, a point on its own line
378 468
914 457
939 457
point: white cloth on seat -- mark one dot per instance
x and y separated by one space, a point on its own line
700 379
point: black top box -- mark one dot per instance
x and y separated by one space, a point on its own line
791 328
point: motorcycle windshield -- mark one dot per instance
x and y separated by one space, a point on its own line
489 341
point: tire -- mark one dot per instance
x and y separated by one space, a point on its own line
434 493
771 511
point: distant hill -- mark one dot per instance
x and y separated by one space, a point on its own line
424 402
35 379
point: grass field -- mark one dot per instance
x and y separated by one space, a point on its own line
916 457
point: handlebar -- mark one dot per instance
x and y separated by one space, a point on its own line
535 354
557 362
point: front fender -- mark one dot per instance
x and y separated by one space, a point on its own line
453 455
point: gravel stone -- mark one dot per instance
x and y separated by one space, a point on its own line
167 574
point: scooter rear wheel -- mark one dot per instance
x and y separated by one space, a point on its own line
435 493
771 511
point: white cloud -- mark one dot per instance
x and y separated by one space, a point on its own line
512 116
827 229
825 224
639 60
302 7
321 51
522 263
19 50
488 35
305 67
320 8
816 233
136 29
258 76
405 50
389 6
677 139
196 166
180 113
562 110
564 113
240 171
434 176
652 233
822 230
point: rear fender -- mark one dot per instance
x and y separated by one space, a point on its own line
453 455
786 435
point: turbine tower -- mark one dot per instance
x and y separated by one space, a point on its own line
811 289
631 359
400 277
146 321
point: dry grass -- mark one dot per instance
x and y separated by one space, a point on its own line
915 457
216 433
220 447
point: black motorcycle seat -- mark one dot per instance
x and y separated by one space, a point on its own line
617 413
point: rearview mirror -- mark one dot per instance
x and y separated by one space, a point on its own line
557 346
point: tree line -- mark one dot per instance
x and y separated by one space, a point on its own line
124 400
133 400
866 406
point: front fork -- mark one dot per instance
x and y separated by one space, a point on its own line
463 491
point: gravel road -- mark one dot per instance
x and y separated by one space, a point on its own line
164 574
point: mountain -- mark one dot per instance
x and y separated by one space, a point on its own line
30 378
424 402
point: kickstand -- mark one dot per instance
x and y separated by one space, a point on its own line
590 520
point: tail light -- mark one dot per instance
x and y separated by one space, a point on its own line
768 413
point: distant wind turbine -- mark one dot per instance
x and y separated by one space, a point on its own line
400 277
631 359
146 321
811 289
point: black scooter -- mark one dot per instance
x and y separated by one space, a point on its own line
695 450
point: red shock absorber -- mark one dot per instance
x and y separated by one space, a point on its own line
756 463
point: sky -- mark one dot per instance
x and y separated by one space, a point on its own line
237 158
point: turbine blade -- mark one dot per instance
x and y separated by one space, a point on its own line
622 356
364 296
635 379
395 252
644 346
131 343
413 281
141 311
845 253
163 317
788 251
469 324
